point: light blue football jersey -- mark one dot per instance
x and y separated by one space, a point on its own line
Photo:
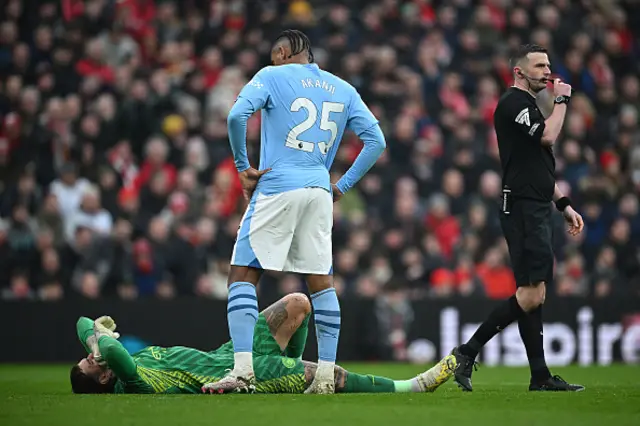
305 112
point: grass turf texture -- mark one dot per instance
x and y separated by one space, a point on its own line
41 395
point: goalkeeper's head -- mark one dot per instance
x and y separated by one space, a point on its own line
88 376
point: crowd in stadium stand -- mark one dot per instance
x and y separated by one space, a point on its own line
118 181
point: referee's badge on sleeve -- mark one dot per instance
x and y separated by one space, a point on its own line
534 128
523 117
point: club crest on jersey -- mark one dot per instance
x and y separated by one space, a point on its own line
256 83
288 362
523 117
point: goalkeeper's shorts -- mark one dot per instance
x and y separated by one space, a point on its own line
274 373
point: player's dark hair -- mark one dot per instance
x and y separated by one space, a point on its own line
82 383
298 41
524 50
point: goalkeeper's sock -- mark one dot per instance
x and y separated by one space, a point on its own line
242 315
326 310
405 386
358 383
296 345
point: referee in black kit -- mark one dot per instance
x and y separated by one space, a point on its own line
525 140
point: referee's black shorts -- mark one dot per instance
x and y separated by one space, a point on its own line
528 231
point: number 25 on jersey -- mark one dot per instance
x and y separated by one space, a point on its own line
325 124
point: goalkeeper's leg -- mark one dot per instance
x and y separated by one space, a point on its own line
288 320
429 381
282 327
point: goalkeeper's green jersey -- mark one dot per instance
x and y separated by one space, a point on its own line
181 369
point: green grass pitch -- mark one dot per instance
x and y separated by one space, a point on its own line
40 395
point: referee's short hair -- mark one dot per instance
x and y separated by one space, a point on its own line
524 50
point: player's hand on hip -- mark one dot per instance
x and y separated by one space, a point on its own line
561 89
249 180
574 220
337 194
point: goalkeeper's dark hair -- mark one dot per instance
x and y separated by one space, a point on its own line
298 41
82 383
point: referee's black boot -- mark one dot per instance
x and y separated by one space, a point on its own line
555 384
464 368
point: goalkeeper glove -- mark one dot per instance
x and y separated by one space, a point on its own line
103 326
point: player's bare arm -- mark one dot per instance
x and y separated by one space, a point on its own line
553 124
337 194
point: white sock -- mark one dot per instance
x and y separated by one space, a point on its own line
404 386
325 370
415 385
243 363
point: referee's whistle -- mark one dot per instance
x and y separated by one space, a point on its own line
553 81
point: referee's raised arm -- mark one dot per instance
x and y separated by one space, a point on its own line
553 124
525 140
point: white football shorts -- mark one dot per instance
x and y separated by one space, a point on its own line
290 232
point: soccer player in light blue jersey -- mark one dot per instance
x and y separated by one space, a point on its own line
287 226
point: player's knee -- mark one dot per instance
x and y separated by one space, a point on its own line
317 283
530 297
298 302
243 274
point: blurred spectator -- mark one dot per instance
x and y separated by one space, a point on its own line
21 237
394 315
157 154
118 47
69 190
50 279
25 192
496 277
90 214
116 177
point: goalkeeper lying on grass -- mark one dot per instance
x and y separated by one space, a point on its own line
280 336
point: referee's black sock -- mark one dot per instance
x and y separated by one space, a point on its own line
530 327
503 315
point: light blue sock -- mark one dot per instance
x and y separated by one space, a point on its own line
326 310
242 315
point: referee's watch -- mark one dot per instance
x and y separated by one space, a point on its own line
561 100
